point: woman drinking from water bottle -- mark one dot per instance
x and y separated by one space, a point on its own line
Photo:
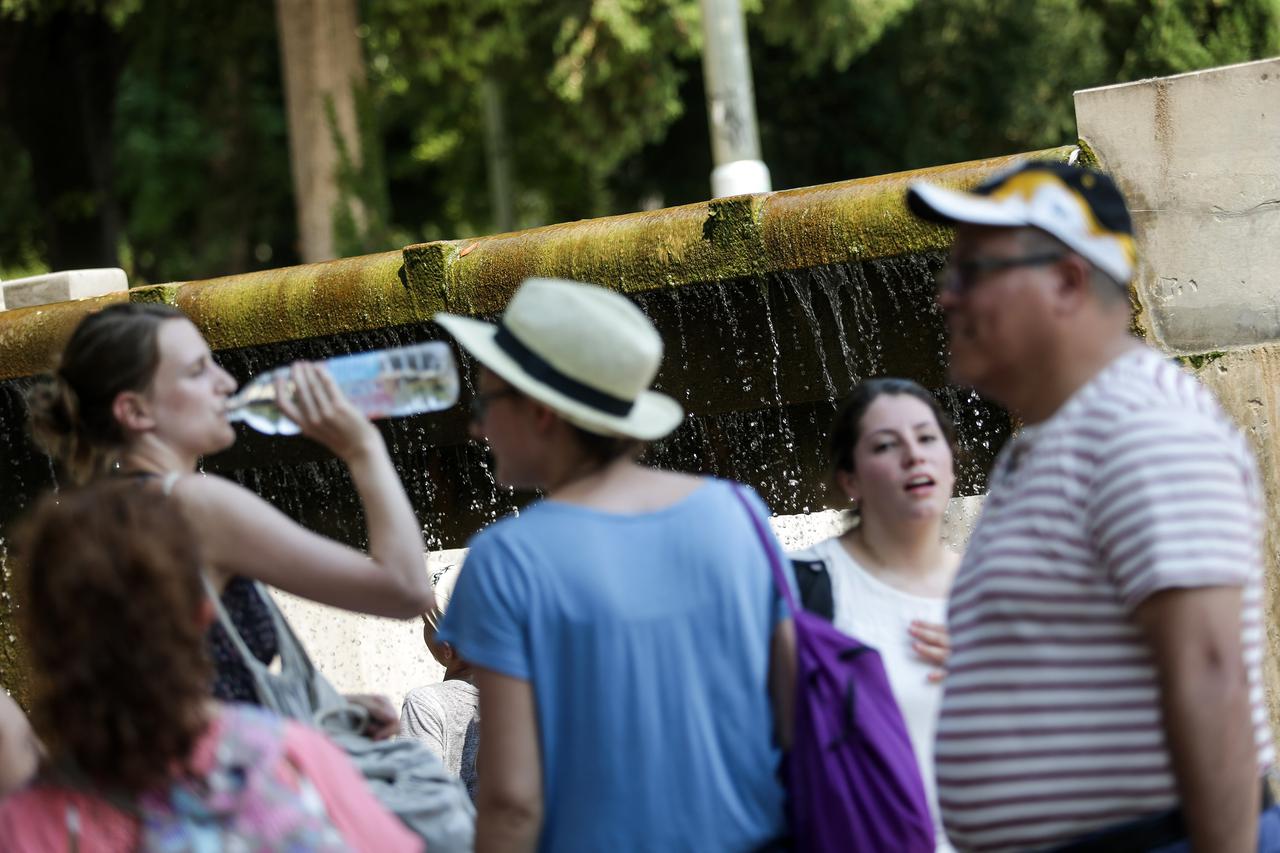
137 393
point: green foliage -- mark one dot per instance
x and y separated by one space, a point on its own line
602 101
585 85
1152 38
831 33
201 147
362 222
21 247
954 80
116 11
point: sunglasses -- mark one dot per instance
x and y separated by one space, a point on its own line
960 277
481 399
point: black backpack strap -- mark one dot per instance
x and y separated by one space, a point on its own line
814 582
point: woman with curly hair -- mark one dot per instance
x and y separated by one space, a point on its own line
113 617
137 393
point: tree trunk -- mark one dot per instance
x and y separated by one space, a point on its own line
320 53
498 157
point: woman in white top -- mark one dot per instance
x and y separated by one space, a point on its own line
889 573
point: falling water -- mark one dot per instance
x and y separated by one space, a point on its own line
750 359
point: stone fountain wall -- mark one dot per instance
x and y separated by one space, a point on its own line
772 307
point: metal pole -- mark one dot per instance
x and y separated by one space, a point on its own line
726 67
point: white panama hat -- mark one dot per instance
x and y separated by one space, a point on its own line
585 351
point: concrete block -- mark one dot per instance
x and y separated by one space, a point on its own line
62 286
1247 383
1196 155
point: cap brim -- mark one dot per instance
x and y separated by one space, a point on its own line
653 416
948 207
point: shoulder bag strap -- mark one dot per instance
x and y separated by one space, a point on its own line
281 692
813 580
771 553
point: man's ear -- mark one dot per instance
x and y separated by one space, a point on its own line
131 411
1075 283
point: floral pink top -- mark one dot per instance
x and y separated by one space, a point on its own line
36 818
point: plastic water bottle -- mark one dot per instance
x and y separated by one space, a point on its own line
383 384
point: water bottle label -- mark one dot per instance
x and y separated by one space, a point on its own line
364 380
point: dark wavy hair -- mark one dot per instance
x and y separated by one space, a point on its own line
110 351
108 580
847 428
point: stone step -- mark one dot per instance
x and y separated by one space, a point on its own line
62 286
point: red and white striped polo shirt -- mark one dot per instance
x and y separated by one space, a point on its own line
1051 724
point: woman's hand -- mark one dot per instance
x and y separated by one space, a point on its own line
384 722
932 643
322 411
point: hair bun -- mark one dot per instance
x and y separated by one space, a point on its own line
52 405
54 412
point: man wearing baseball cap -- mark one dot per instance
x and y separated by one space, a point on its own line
1104 688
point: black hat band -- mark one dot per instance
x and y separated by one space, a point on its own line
542 370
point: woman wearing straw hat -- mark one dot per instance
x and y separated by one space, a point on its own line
623 630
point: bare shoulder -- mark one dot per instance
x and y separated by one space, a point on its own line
227 518
204 493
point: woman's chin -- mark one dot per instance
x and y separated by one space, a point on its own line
224 441
926 510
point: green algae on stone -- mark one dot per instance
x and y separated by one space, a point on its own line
424 272
719 240
1087 156
347 295
31 338
163 294
1199 360
867 218
630 253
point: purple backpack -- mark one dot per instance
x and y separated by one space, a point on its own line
851 776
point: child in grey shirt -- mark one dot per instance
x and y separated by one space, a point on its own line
445 716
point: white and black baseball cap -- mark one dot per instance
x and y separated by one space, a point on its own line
1081 207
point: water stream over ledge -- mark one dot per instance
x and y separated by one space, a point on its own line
759 363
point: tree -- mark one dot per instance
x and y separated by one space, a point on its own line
323 70
61 62
602 102
202 171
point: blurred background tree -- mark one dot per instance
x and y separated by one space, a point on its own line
153 133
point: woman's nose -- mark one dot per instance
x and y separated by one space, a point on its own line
226 382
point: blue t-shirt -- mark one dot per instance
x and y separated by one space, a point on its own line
646 639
